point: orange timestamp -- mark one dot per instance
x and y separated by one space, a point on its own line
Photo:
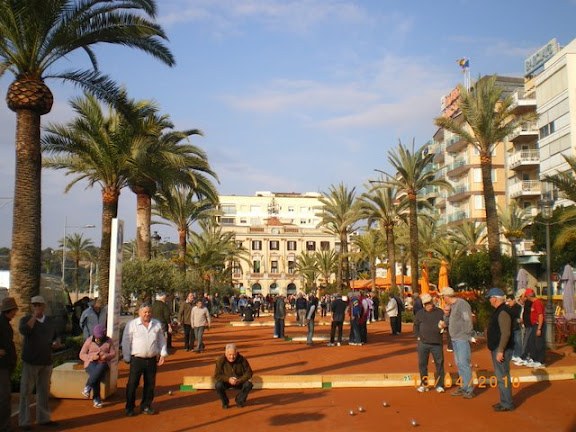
481 381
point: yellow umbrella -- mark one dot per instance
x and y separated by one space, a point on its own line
425 280
443 276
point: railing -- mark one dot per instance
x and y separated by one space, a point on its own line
525 157
529 128
526 187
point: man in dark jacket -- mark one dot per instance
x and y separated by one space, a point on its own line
184 319
427 331
310 316
338 309
7 359
232 371
279 316
161 312
501 343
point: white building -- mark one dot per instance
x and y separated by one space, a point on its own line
274 228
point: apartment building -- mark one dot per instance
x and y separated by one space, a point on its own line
274 228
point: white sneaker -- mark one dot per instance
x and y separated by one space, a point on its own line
338 344
531 363
330 344
440 389
516 359
538 365
86 392
422 389
97 403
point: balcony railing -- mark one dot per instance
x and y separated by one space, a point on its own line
526 188
525 132
524 158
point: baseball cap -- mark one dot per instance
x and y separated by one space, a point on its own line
495 292
37 300
426 298
529 292
448 292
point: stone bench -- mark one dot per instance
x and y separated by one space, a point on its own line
68 381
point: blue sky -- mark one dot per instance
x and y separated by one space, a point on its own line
296 95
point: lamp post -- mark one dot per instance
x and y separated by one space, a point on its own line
66 226
547 207
514 242
402 250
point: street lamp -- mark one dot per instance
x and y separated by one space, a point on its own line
514 241
547 207
66 226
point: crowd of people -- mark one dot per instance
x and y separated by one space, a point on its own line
515 333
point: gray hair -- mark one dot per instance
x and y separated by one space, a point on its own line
231 347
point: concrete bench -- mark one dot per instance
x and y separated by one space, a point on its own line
192 383
68 381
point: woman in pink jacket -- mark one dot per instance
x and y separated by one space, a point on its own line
97 353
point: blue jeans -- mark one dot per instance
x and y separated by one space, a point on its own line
502 372
96 372
462 354
198 334
310 331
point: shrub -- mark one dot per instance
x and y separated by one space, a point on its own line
572 341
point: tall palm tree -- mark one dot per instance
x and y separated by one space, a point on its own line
180 206
307 268
414 172
470 236
339 215
78 250
93 147
487 119
35 36
380 205
326 264
371 246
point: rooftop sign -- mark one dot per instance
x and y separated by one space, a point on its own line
537 60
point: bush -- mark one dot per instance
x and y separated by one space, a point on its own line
572 341
408 316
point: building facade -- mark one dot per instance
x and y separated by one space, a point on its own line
274 229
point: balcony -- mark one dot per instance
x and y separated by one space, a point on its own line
439 153
525 133
528 188
455 145
522 104
525 159
460 193
457 216
459 167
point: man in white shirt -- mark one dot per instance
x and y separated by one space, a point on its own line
144 348
392 312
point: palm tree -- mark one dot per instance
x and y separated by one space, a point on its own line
487 119
181 208
414 172
371 246
78 250
307 268
94 147
326 264
380 205
470 236
35 36
339 215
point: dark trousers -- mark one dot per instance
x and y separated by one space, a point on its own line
188 337
241 397
141 367
539 344
394 324
96 372
279 327
363 329
336 325
424 351
5 402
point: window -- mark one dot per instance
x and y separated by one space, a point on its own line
256 245
291 267
256 266
243 220
290 209
302 221
227 220
324 245
274 267
310 245
478 202
239 244
255 209
546 130
291 245
228 209
274 245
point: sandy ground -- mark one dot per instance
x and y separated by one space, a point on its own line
544 406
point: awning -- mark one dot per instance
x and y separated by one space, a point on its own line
531 259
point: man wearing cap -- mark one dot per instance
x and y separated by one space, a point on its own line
501 344
39 339
427 327
462 333
7 360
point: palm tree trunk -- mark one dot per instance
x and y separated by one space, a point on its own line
413 222
345 261
25 256
491 220
143 218
182 250
391 256
109 211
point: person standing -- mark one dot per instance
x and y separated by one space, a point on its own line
310 316
7 360
184 314
200 320
338 310
392 312
427 326
462 333
232 371
501 345
537 340
96 353
144 348
161 312
39 340
376 305
515 311
279 316
93 315
301 307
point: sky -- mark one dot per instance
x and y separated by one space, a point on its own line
293 95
